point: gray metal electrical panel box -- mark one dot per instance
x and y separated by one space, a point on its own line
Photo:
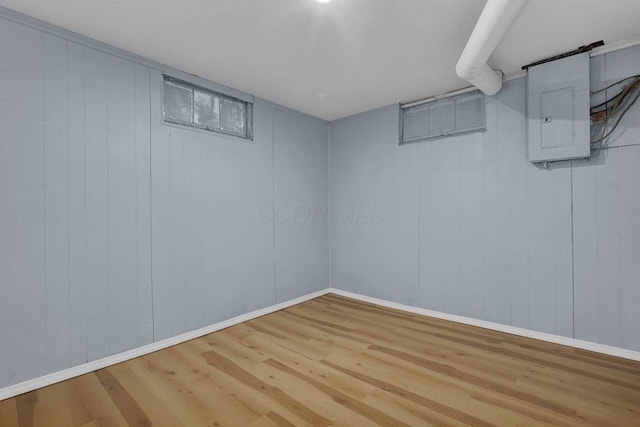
558 121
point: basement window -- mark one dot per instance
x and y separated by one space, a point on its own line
446 117
193 106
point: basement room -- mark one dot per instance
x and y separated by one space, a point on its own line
319 213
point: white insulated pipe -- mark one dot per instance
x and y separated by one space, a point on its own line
495 20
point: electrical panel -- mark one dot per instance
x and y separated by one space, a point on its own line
558 121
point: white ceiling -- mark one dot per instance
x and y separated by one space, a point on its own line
336 59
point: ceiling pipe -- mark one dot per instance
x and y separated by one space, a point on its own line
495 20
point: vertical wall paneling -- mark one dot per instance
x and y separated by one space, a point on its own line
83 151
121 143
447 189
491 297
555 245
194 223
212 217
494 296
77 203
302 244
585 249
494 231
608 246
431 216
56 171
22 246
563 252
470 243
444 212
161 214
177 230
144 295
605 221
606 235
212 251
213 243
237 242
512 110
549 250
374 208
597 258
558 248
629 229
97 204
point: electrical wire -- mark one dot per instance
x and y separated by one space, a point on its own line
608 101
620 105
615 84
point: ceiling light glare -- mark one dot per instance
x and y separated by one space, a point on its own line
323 1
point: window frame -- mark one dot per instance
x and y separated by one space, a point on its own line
457 131
193 126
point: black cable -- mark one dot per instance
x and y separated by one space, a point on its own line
608 101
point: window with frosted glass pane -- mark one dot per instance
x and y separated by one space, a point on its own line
190 105
456 115
206 109
178 101
232 116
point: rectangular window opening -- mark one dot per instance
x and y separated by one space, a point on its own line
446 117
193 106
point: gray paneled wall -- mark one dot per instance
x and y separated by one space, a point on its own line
606 227
607 247
495 229
217 252
97 196
75 193
300 212
213 258
468 226
22 213
374 208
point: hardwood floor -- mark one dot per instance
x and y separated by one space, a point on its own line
337 361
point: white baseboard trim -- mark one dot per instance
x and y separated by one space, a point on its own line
56 377
542 336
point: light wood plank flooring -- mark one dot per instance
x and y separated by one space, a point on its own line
337 361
